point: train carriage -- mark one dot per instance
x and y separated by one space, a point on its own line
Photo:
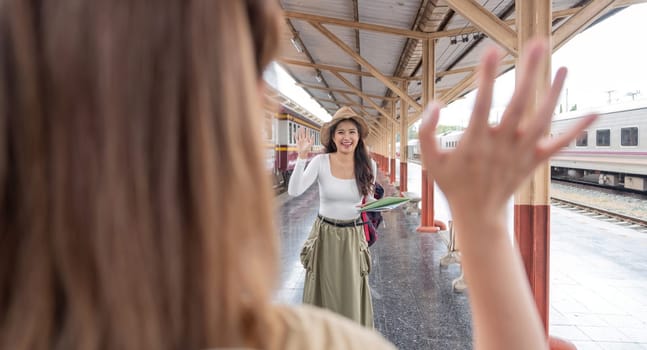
612 152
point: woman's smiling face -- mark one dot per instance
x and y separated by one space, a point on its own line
346 136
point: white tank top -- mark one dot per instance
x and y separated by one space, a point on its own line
338 198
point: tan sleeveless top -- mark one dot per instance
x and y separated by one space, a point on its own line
307 327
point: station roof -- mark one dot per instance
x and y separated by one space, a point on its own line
359 52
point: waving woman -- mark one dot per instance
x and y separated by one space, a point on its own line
336 254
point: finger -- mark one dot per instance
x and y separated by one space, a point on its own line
487 74
545 114
522 93
554 145
427 133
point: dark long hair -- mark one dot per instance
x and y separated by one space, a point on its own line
362 162
120 129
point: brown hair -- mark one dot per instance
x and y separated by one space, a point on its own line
123 174
361 160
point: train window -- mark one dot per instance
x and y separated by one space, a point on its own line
603 137
294 133
289 132
629 136
582 140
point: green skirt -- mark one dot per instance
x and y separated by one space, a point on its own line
337 261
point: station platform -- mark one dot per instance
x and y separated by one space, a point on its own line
598 279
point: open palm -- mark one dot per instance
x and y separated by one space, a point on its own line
304 143
490 162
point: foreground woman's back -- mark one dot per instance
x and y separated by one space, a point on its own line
120 129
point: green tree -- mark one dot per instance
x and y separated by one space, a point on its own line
441 129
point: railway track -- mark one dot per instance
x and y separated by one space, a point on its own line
633 222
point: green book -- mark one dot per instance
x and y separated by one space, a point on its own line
383 204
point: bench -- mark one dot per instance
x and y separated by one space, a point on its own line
411 207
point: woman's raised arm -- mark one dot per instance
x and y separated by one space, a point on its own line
478 178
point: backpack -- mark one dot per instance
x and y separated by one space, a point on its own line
373 219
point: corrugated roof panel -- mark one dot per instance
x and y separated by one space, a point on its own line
392 13
383 53
558 5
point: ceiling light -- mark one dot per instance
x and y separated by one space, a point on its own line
319 77
297 44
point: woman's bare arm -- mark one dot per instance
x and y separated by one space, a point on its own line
478 178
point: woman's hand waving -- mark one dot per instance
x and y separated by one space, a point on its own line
490 162
304 143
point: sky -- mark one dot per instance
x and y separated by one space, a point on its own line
605 63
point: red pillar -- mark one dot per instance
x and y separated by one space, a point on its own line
403 177
427 223
392 172
533 238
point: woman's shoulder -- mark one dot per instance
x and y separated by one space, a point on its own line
308 327
319 159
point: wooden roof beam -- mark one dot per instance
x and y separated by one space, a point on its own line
580 21
468 69
359 59
577 22
509 22
487 22
463 85
410 33
317 87
356 25
335 68
361 94
353 104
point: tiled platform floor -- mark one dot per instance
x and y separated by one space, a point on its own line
598 280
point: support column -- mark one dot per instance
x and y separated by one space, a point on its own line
392 145
532 206
404 137
427 223
385 165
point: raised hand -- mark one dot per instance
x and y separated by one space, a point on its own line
304 143
478 178
490 162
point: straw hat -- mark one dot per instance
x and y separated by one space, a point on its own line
344 113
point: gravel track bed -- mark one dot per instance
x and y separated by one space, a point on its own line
622 203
